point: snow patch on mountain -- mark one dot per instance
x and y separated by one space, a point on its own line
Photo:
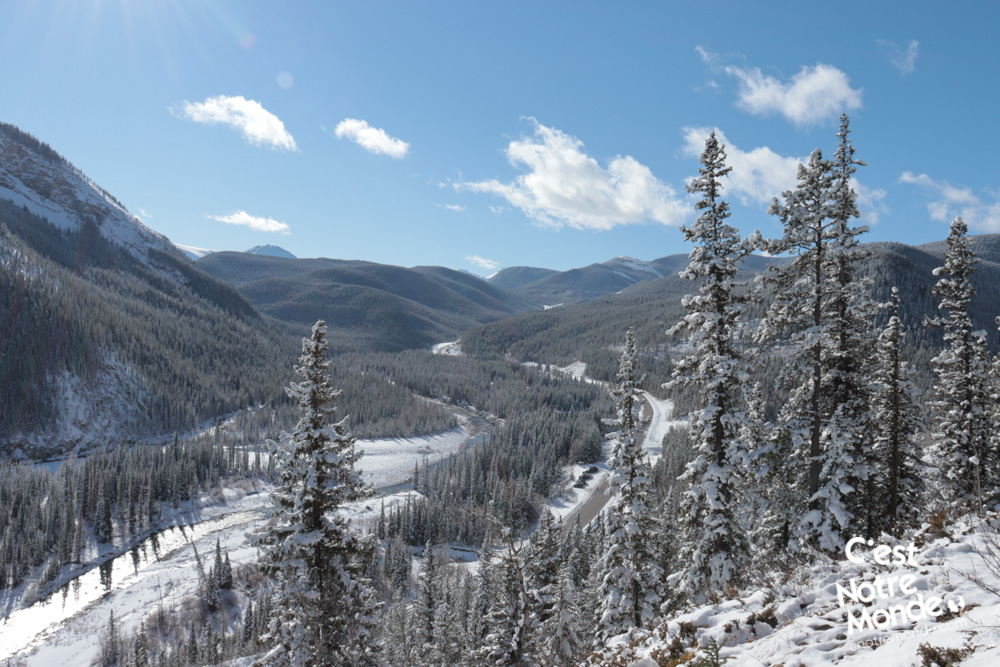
636 265
453 348
16 262
192 252
625 277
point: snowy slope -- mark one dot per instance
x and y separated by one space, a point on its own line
635 265
802 620
52 188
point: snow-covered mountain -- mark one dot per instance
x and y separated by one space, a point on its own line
270 251
111 326
36 177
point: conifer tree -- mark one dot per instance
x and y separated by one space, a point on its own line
851 359
112 653
898 423
509 640
427 600
631 589
714 547
140 657
821 313
544 564
247 635
961 426
560 641
324 610
103 530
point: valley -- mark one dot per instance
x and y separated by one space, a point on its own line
608 464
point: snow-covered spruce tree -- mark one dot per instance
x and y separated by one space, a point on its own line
559 642
427 601
324 612
961 427
819 314
898 424
544 564
851 358
714 547
632 588
508 643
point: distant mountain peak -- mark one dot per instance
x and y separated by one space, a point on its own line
270 251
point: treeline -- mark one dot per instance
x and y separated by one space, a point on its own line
52 519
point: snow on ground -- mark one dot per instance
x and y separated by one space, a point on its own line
63 630
577 369
389 461
454 348
803 621
132 584
659 424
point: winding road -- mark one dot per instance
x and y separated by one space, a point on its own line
651 436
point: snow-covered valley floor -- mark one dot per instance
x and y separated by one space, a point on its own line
63 628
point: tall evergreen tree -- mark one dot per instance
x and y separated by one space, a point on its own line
961 426
559 642
632 588
821 314
324 610
508 643
427 600
851 358
898 423
714 546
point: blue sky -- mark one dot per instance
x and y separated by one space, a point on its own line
478 135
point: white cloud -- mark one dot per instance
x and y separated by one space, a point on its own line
813 95
707 56
563 186
954 201
258 125
871 202
760 175
253 222
905 60
457 208
498 210
143 214
484 263
372 139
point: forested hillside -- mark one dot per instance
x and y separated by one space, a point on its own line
368 306
99 345
591 331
